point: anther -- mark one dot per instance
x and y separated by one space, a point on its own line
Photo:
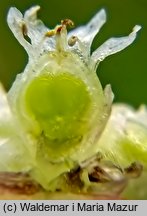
24 29
67 23
72 40
50 33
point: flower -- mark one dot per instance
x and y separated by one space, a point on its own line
126 131
56 107
126 138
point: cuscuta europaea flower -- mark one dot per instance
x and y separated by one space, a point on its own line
55 136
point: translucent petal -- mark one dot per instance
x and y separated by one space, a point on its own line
114 45
15 23
30 26
31 14
87 33
36 29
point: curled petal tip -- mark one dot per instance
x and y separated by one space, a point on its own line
114 45
103 14
32 12
12 9
13 12
136 28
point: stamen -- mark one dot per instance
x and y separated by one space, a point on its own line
50 33
67 23
134 170
61 34
64 25
24 29
72 40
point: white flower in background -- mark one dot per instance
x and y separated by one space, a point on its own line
56 110
125 135
126 138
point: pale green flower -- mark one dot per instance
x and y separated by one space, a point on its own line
56 110
126 138
125 135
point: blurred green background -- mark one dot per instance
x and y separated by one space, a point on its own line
126 71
